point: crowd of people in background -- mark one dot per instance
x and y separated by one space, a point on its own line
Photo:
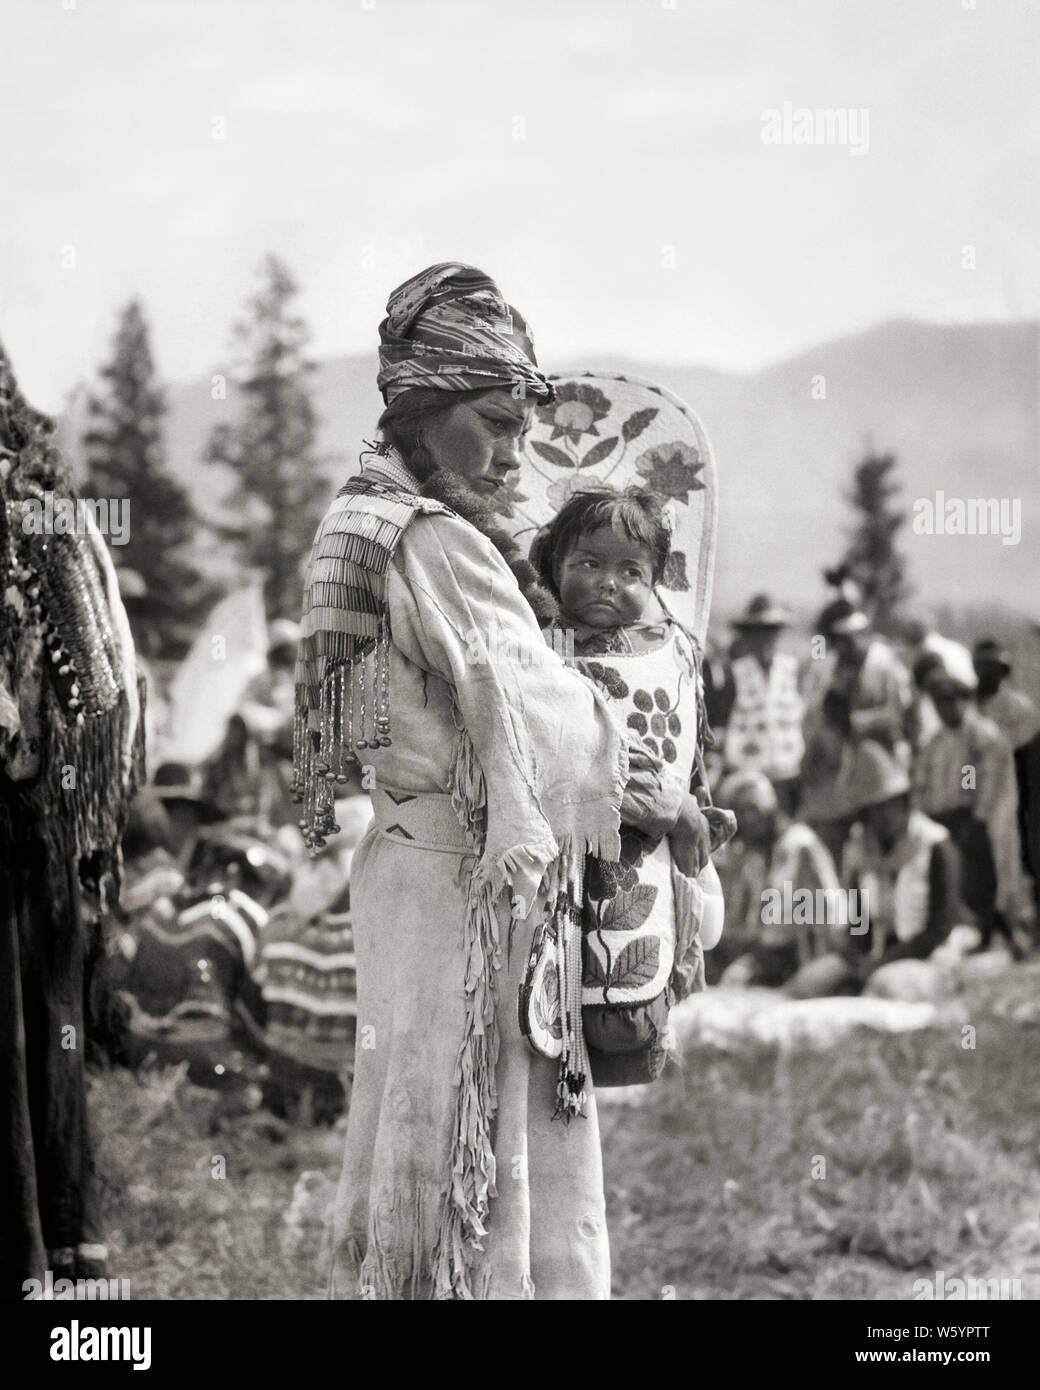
887 791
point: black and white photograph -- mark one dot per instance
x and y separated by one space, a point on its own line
520 668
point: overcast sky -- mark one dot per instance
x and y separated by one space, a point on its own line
603 159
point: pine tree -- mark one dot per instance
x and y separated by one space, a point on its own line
871 559
125 458
281 488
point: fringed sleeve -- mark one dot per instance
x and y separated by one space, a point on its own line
540 737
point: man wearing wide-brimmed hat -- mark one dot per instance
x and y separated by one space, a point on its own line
964 779
764 728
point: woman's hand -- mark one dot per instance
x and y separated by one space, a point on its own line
690 838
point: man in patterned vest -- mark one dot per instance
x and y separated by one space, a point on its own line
764 728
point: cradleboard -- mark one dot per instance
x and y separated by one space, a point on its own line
609 428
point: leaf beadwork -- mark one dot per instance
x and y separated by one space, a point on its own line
637 963
630 910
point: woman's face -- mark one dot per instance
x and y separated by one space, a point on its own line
480 438
606 579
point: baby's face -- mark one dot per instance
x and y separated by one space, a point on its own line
606 580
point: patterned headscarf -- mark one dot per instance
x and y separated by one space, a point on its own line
450 328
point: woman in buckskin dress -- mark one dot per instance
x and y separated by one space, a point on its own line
494 770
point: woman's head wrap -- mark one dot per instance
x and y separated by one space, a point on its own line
450 328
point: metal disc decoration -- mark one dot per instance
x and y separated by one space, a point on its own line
607 428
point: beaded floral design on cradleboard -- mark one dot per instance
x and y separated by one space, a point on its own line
607 428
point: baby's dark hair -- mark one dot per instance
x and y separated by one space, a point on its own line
636 512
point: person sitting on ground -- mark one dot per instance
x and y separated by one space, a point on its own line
964 779
903 860
769 852
189 982
305 971
152 878
903 866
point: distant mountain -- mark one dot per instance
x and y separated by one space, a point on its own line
957 404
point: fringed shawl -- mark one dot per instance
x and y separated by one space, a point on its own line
340 705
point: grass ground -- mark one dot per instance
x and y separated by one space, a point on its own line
930 1161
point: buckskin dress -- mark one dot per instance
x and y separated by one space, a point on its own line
457 1182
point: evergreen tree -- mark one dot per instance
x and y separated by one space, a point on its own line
125 458
281 489
871 559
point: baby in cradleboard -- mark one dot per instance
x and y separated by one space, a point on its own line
648 918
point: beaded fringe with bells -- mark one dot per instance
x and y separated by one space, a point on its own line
353 713
343 663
